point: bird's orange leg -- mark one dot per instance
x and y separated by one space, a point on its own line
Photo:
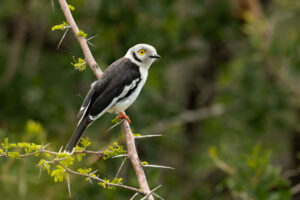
122 115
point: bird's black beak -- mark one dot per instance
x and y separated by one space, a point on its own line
155 56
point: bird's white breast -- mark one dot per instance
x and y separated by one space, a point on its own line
122 105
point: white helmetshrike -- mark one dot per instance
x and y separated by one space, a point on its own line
117 89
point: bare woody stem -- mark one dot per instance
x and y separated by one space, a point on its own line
82 41
134 159
132 153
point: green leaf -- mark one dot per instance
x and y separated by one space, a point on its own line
81 33
13 154
59 174
80 64
145 163
115 120
72 8
113 150
85 142
68 159
5 145
62 26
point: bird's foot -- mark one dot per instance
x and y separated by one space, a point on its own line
122 115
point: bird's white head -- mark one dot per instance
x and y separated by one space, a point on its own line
142 54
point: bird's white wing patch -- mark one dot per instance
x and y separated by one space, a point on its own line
87 100
85 109
123 93
93 83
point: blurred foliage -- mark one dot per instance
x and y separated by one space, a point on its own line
252 176
241 54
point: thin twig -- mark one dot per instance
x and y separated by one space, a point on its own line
52 152
97 179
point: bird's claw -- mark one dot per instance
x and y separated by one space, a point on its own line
122 115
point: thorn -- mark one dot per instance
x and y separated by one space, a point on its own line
158 196
113 126
40 173
158 166
64 35
120 156
94 172
91 44
119 170
146 136
134 196
69 187
91 37
46 146
145 197
90 180
60 149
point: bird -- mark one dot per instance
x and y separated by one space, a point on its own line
118 88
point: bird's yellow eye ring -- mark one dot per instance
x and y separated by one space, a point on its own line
142 52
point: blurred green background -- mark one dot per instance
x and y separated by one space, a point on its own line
225 95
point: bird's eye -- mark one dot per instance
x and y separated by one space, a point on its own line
142 52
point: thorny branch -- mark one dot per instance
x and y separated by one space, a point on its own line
132 153
97 179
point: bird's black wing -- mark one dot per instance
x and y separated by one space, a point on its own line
118 79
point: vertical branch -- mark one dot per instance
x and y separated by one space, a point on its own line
131 147
82 41
134 159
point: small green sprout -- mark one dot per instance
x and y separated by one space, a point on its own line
85 142
33 127
81 33
5 145
66 159
113 150
86 171
44 165
145 163
59 174
13 154
107 182
72 8
62 26
115 120
80 64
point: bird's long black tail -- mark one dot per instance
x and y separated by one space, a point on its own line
78 133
